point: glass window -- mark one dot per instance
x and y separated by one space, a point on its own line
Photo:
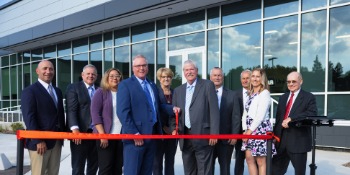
280 7
108 60
310 4
5 61
280 50
213 50
338 107
5 83
50 52
186 41
186 23
161 53
19 80
213 17
96 60
241 11
13 59
161 28
147 50
240 50
64 76
37 54
95 42
121 37
313 50
320 104
108 39
13 79
64 49
19 58
26 75
122 60
333 2
26 57
34 76
339 39
79 61
80 45
142 32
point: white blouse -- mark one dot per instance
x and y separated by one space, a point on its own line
116 125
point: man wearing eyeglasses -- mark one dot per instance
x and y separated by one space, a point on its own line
295 141
138 110
78 101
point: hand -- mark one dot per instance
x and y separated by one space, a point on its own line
285 122
247 132
166 130
76 141
104 143
232 141
41 148
212 142
176 109
174 133
138 142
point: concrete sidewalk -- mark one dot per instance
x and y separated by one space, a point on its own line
327 162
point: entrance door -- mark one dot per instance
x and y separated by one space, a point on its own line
175 60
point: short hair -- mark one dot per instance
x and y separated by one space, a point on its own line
165 70
300 77
246 71
138 56
90 66
264 83
190 62
217 68
104 81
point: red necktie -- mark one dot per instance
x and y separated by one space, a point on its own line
289 106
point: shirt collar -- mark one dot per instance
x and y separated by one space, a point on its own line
220 90
44 83
140 80
87 86
193 84
295 93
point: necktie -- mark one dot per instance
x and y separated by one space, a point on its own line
189 94
91 91
289 106
217 94
149 99
52 95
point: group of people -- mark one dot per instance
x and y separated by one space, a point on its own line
137 106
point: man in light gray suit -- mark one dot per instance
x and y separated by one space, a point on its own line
200 115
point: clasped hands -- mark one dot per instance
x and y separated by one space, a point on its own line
285 122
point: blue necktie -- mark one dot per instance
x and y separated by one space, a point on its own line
91 91
150 102
189 94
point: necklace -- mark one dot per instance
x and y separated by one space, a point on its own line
168 98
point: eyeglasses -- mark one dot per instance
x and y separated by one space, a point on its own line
141 65
166 77
291 82
114 76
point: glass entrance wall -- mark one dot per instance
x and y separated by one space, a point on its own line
281 36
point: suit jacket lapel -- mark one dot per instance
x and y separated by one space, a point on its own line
84 90
223 99
196 89
46 93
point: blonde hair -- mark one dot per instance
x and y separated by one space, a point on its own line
263 83
104 81
165 70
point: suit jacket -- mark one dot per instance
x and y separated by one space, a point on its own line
230 122
298 139
102 109
40 113
78 106
134 111
204 110
239 107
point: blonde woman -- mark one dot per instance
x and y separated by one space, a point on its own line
255 121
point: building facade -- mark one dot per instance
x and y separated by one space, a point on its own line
308 36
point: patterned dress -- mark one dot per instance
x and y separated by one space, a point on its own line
257 147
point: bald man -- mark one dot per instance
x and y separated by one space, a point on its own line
42 109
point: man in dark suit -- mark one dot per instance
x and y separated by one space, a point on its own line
78 100
229 123
295 141
42 109
200 115
242 95
138 111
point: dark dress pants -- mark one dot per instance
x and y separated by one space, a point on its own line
110 159
84 153
165 149
223 151
240 156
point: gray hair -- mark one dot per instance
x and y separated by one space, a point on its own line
216 68
190 62
138 56
90 66
246 71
